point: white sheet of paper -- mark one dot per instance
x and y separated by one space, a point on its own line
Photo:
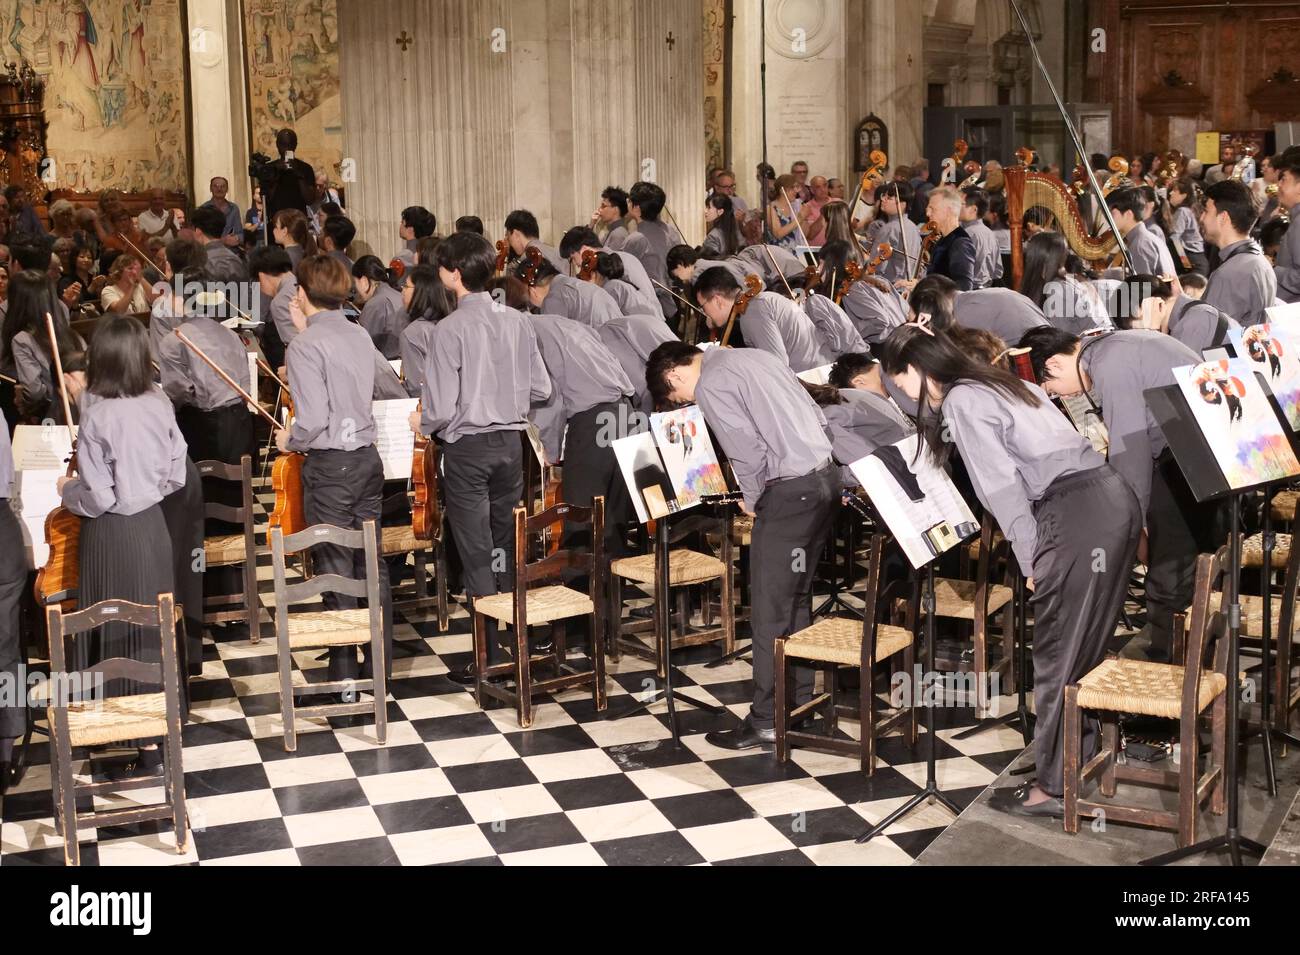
396 364
41 454
820 375
394 439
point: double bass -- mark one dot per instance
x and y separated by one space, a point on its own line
503 254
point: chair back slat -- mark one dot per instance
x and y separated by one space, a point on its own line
556 564
557 512
870 603
220 471
124 668
107 611
323 584
325 534
223 512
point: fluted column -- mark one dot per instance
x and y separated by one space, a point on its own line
217 99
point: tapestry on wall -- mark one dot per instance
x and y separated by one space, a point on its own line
115 88
293 77
715 67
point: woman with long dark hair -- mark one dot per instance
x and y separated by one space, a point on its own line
130 456
1183 225
1054 281
612 278
383 315
427 302
25 353
839 228
290 229
724 238
1072 521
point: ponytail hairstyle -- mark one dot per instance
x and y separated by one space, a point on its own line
294 222
726 223
31 296
824 395
371 268
1045 257
938 357
609 266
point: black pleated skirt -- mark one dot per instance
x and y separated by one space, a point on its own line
123 557
183 513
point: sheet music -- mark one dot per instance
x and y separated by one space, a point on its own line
1086 422
820 375
41 454
688 454
644 474
394 438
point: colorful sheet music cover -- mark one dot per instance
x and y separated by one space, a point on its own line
1271 350
671 466
917 500
1238 422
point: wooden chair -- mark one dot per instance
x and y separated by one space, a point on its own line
529 605
320 629
1163 690
233 550
81 723
834 642
686 569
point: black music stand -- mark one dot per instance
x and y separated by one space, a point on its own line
1021 713
1206 481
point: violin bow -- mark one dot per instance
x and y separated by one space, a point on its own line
902 231
680 298
58 370
799 225
772 258
252 402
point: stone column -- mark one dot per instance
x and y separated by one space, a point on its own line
218 109
883 72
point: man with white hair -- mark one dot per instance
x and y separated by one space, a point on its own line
954 254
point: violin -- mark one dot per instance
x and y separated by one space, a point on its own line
426 509
852 272
503 253
752 287
59 578
588 270
397 267
533 256
929 236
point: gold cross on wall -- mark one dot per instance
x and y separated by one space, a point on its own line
404 41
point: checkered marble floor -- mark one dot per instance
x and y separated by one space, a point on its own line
458 785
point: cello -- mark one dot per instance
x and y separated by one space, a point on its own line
503 253
57 581
587 272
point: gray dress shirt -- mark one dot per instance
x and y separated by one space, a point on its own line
583 374
331 368
839 335
988 261
384 317
631 339
581 301
1150 255
1004 312
1187 231
1196 324
6 464
1244 284
634 274
415 354
224 265
874 311
740 268
484 371
187 379
897 266
280 308
779 327
759 412
781 263
1073 305
551 254
629 299
864 422
1287 269
130 455
1121 367
1013 453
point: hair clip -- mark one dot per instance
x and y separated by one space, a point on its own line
923 323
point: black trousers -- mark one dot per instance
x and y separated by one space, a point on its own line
482 482
345 488
13 578
1088 528
792 524
1178 528
182 511
591 469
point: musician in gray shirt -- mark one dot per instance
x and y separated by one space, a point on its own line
775 437
555 294
271 268
892 225
1148 254
988 260
588 410
1243 284
1115 370
580 240
331 367
645 203
631 339
223 265
772 322
858 422
383 315
484 372
1004 312
1072 521
1287 266
522 232
13 581
839 336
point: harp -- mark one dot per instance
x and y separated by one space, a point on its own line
1030 190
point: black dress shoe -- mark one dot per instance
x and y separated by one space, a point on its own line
148 762
463 675
744 736
1015 803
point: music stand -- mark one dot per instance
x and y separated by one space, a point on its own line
1205 479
